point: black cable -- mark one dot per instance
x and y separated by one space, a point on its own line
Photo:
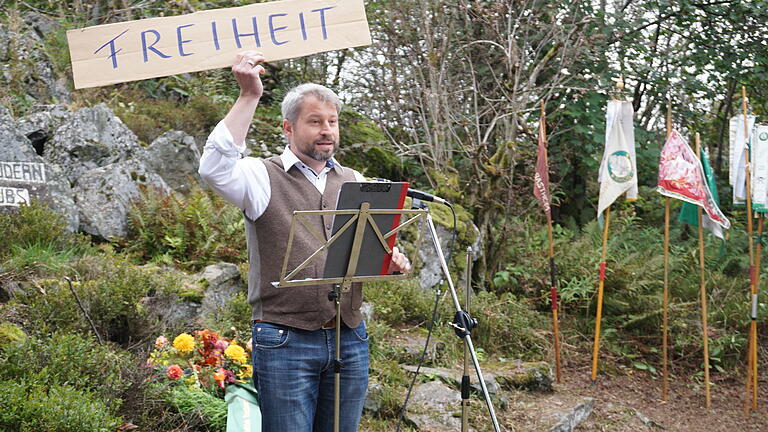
438 294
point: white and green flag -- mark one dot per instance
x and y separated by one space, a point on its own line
618 169
759 174
739 142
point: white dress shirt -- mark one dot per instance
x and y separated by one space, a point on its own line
244 181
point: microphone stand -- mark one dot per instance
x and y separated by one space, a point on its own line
463 322
465 383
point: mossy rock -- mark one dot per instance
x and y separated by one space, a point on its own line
356 128
533 376
364 147
192 294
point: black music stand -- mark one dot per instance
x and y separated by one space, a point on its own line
368 207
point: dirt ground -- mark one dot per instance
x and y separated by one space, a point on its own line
632 402
620 398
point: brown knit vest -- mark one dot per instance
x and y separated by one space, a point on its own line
304 307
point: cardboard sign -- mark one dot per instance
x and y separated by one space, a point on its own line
155 47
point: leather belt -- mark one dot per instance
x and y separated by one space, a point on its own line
331 324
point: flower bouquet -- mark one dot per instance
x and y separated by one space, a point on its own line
209 363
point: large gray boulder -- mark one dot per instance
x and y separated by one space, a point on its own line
91 138
104 196
434 408
452 377
39 123
14 146
175 157
25 176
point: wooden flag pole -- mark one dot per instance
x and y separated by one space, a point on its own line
703 291
601 283
600 295
753 322
665 310
552 271
752 348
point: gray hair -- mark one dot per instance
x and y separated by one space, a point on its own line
292 101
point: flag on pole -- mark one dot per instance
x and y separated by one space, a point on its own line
541 177
618 169
738 144
682 176
759 155
688 213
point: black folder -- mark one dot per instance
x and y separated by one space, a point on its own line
373 260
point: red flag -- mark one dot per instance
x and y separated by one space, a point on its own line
541 177
681 176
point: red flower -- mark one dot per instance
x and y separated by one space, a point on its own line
174 372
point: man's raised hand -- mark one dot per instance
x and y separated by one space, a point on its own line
247 71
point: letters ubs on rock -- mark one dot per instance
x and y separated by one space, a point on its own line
18 172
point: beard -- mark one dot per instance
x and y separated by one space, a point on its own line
322 156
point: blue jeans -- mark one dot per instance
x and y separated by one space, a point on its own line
293 373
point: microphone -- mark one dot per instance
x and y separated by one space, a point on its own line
417 194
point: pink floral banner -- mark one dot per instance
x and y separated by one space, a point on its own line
681 176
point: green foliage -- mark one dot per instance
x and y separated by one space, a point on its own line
235 314
191 231
364 147
211 410
113 298
149 118
35 407
508 327
67 358
632 305
11 334
39 228
44 258
398 303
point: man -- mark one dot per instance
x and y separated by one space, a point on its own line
293 328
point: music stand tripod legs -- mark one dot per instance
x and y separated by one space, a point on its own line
464 323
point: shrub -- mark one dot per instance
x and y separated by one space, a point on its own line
37 226
71 359
113 301
399 303
36 407
508 327
191 231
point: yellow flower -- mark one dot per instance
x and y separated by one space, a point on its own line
236 353
245 372
184 343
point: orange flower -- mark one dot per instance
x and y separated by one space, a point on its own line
174 372
219 377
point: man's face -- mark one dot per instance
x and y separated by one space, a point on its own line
315 134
